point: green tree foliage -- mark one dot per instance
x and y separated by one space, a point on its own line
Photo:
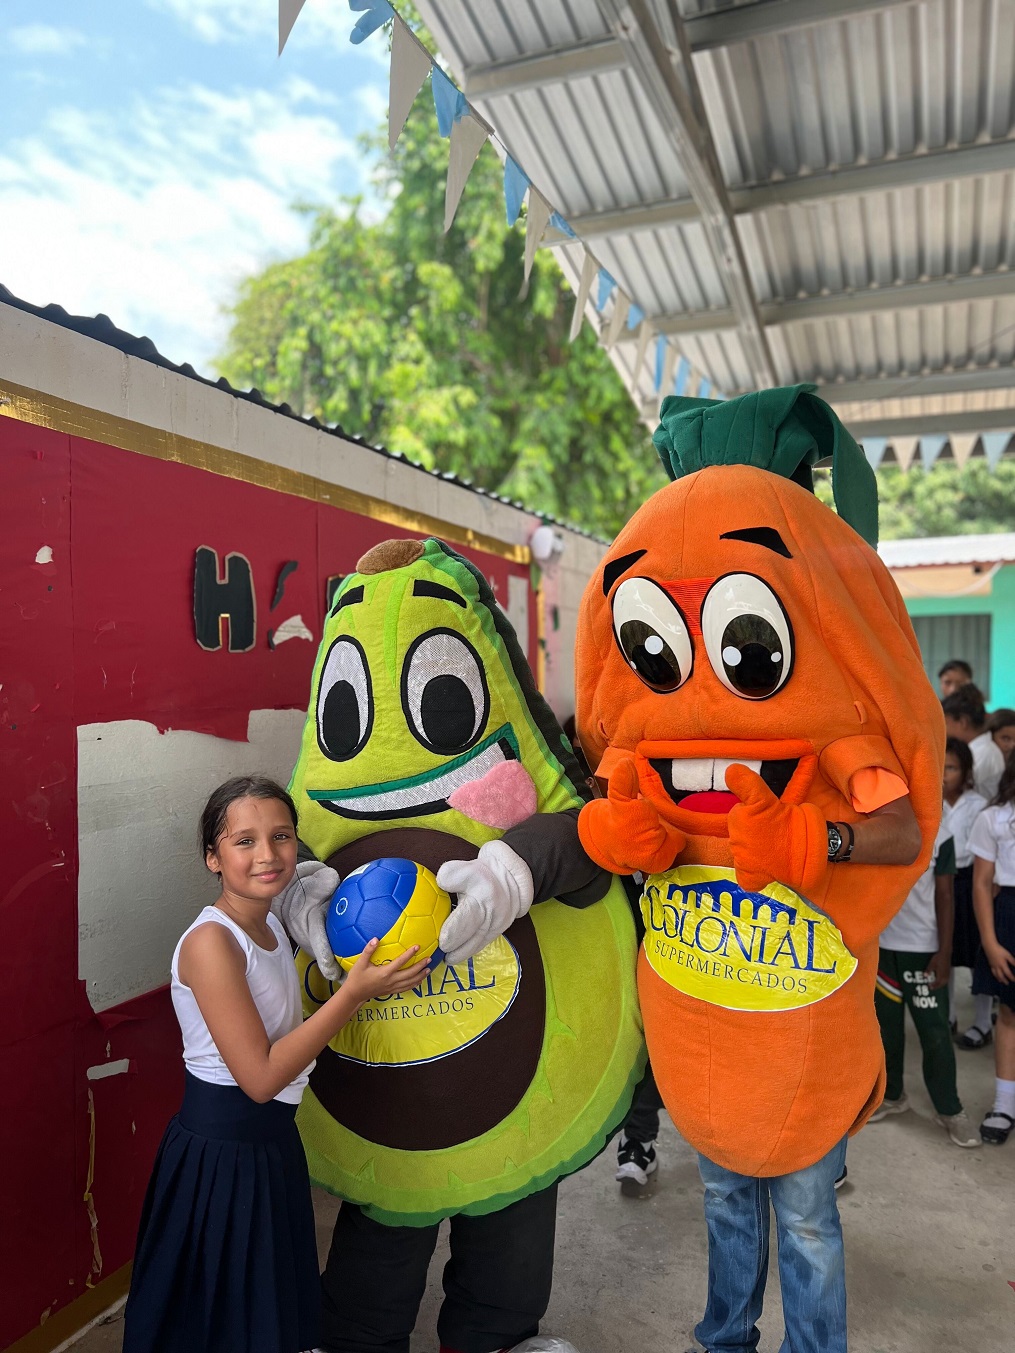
433 345
942 501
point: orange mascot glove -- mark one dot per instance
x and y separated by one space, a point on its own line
624 832
774 841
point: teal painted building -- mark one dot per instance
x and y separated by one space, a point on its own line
960 593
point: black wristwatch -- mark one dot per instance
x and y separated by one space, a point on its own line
835 842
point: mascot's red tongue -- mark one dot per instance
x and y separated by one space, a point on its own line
709 801
504 797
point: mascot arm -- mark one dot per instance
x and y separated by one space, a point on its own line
302 907
560 868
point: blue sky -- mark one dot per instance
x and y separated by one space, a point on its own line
151 150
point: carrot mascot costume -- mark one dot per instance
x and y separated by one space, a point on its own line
750 687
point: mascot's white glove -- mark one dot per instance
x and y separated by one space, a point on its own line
493 890
302 907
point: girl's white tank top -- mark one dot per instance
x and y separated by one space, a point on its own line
274 986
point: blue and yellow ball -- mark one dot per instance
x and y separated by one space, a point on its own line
396 900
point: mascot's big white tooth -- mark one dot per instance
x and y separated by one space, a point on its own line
693 774
720 767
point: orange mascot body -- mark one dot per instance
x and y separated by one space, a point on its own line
746 673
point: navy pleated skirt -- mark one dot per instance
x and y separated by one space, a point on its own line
966 933
984 981
226 1259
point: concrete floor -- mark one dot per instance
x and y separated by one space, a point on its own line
930 1243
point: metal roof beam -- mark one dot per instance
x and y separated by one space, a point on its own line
911 171
556 65
705 32
976 420
964 381
678 104
846 304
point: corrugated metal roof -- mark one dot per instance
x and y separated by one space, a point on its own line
868 155
941 550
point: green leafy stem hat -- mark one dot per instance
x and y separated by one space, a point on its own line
786 431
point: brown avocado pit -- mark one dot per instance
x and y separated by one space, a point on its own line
442 1103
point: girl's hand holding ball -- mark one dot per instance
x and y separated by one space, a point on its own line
367 980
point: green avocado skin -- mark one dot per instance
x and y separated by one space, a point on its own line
388 635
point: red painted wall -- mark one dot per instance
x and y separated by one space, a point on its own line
105 632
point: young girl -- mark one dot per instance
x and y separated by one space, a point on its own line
226 1259
1001 727
993 845
962 806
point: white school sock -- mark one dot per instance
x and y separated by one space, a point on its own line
1004 1097
981 1013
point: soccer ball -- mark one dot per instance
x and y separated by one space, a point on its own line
396 900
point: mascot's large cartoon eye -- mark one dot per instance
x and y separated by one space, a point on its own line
652 634
747 636
444 692
345 707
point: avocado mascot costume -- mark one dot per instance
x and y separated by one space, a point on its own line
516 1059
747 679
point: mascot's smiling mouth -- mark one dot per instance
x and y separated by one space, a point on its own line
698 784
426 793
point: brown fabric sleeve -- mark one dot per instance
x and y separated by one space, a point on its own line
549 845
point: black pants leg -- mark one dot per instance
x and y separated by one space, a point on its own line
373 1283
642 1123
497 1281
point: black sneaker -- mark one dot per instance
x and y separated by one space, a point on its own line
635 1160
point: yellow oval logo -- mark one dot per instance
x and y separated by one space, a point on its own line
451 1008
709 938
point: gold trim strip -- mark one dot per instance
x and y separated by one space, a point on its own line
41 410
70 1320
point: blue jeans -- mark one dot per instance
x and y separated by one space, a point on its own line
812 1266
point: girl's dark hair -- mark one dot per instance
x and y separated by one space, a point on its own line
960 750
1006 789
966 703
213 819
1001 718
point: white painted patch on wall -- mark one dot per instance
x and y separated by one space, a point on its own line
44 555
140 881
104 1069
293 628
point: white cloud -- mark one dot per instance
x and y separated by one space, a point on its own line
152 217
241 20
39 39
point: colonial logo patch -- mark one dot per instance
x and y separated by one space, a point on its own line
451 1008
709 938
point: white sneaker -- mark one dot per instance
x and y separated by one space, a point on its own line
888 1107
959 1128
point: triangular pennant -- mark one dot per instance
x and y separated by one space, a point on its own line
994 446
621 306
537 219
644 335
516 185
375 13
288 13
468 137
604 290
635 316
905 451
874 449
930 448
410 65
704 388
683 375
962 447
589 269
660 360
448 101
669 365
558 223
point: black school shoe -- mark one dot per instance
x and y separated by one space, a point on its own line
996 1127
635 1160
